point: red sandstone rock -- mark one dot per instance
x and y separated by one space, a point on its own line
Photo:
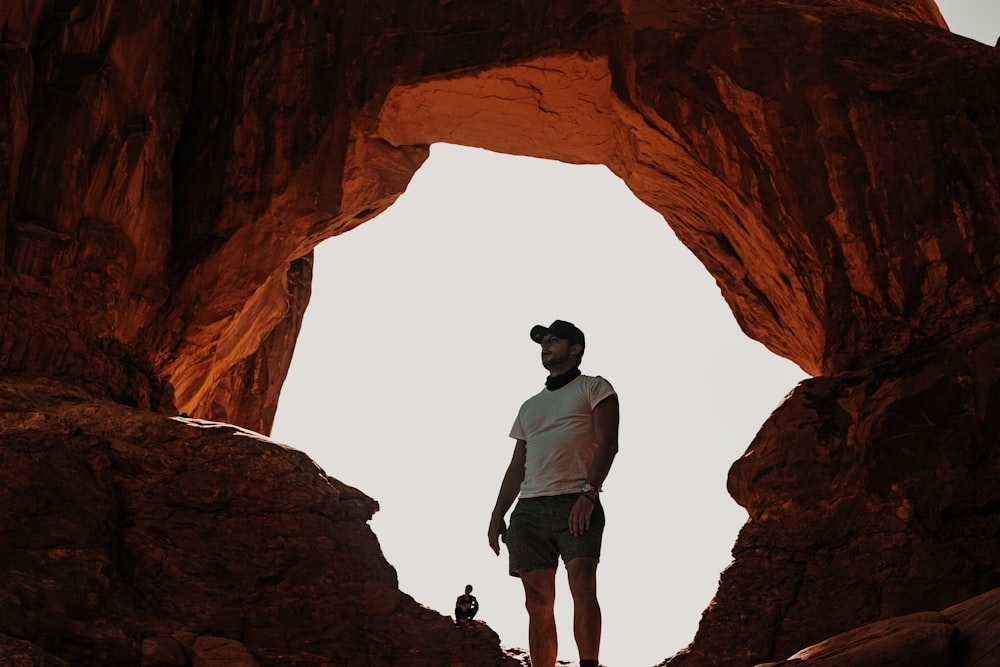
169 166
20 653
965 635
978 621
133 538
926 639
162 652
858 510
220 652
191 139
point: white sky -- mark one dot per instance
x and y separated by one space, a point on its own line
414 358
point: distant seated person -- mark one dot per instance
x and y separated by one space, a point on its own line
466 607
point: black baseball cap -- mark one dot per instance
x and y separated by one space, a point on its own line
559 329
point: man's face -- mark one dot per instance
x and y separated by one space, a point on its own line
555 352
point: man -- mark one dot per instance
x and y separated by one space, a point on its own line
466 607
566 438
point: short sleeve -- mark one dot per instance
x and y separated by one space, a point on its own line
516 431
599 390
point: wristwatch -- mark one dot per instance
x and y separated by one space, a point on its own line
588 487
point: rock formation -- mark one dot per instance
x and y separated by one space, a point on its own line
871 494
133 538
168 167
964 635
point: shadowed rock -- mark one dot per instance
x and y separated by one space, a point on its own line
965 635
168 168
135 538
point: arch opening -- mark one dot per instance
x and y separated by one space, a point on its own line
414 357
570 108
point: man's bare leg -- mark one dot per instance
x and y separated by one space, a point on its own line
582 575
539 600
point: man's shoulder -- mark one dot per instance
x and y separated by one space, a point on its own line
596 380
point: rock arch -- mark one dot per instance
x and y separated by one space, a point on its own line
169 167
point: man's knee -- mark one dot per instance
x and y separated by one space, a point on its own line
538 605
539 590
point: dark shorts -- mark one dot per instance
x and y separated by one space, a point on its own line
539 533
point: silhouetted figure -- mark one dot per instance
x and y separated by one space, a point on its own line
466 607
566 438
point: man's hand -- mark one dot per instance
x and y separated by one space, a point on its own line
497 531
579 516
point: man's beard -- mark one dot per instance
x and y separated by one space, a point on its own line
555 361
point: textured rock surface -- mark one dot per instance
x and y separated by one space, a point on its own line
131 537
191 138
926 639
966 635
978 621
859 510
168 167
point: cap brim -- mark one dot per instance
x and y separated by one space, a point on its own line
538 333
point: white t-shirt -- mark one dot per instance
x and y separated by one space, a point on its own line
558 427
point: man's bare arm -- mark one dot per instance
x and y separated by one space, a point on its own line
509 489
606 431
